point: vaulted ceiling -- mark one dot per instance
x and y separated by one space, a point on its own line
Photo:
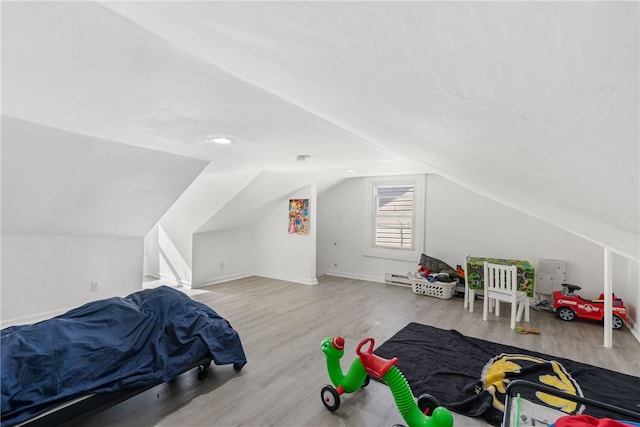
533 104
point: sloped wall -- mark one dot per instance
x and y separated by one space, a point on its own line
253 227
209 193
459 222
75 211
43 276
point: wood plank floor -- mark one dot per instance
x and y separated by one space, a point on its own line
281 325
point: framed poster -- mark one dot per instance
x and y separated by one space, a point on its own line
298 216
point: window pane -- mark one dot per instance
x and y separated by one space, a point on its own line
395 200
394 216
394 233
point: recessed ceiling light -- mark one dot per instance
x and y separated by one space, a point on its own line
219 140
350 171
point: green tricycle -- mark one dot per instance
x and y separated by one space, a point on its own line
426 412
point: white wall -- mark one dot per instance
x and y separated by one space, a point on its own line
626 284
284 256
44 276
152 253
459 221
208 193
75 210
219 256
263 248
341 240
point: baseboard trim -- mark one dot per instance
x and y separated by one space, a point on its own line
28 320
221 279
294 279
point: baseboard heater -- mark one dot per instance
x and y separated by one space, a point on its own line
398 279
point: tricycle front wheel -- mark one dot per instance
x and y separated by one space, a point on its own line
330 398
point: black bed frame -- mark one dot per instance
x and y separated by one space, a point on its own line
94 403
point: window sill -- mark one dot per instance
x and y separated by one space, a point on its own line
413 255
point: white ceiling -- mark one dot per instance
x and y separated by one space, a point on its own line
534 104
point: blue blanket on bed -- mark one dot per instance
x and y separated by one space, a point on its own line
147 338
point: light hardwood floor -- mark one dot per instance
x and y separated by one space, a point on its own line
281 325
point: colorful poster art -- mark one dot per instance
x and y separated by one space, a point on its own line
299 216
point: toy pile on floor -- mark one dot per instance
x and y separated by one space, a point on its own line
434 270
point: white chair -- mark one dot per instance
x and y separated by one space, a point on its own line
501 284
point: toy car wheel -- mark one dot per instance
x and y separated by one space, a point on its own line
566 313
427 404
616 322
330 398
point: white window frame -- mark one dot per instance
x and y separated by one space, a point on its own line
370 186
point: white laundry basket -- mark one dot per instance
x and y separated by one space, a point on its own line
442 290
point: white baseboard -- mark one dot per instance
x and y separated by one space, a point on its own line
28 320
228 278
220 279
294 279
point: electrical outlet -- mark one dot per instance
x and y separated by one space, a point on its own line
94 286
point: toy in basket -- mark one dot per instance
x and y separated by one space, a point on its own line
432 287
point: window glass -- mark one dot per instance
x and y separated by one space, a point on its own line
394 216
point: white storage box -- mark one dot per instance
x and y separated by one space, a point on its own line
442 290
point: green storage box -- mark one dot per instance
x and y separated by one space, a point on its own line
475 273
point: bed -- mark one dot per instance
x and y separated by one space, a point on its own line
108 350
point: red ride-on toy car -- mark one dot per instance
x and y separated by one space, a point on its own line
568 305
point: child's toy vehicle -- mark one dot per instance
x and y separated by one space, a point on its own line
568 305
426 412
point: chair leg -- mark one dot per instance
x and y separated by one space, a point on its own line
485 307
523 307
520 311
497 307
514 308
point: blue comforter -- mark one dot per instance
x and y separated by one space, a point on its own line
147 338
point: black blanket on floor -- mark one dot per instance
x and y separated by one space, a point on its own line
470 375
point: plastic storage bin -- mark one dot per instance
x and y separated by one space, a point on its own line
441 290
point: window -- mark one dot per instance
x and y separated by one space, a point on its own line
395 217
